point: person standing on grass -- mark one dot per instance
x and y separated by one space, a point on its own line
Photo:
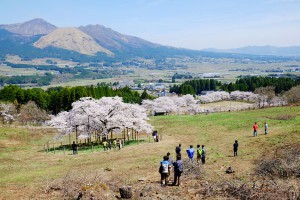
255 127
120 144
178 169
154 135
109 145
199 153
164 170
178 149
190 153
203 155
75 148
170 160
104 145
266 128
114 143
235 148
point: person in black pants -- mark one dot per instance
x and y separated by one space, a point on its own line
203 156
74 148
235 148
178 169
178 149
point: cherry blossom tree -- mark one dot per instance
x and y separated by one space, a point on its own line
173 105
244 96
214 96
104 115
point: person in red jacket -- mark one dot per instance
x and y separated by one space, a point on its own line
255 127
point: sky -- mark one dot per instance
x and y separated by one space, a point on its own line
192 24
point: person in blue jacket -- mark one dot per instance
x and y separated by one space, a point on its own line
190 153
164 170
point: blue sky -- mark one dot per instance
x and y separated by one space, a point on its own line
194 24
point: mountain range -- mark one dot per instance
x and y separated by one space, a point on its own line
33 27
39 38
262 50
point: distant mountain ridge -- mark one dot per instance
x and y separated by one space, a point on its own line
33 27
262 50
113 40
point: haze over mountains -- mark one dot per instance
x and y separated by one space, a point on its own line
42 39
262 50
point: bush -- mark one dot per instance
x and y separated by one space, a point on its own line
284 164
293 95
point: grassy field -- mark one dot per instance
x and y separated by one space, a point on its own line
26 168
5 70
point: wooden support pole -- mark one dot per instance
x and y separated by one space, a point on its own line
76 134
124 133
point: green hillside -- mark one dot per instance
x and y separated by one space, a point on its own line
28 172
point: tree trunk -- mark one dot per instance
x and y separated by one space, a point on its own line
124 133
127 134
69 139
76 134
132 134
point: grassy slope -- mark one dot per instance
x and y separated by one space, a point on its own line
25 167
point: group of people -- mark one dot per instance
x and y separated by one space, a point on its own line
255 128
201 153
107 145
114 144
167 164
